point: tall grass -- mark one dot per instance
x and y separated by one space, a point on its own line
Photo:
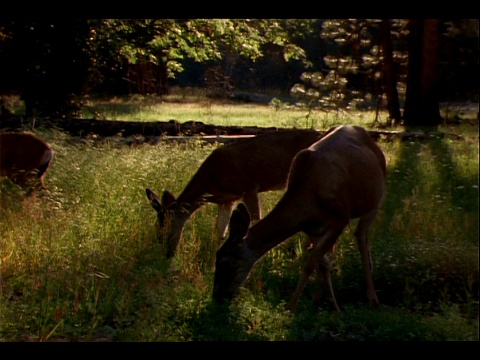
83 262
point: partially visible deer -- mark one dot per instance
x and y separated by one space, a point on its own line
24 159
337 179
231 173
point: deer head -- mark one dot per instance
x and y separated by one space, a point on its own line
232 259
171 218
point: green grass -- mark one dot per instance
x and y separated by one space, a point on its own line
83 262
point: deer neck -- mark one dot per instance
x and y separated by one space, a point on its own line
191 197
271 231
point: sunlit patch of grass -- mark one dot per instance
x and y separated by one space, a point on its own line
183 108
75 243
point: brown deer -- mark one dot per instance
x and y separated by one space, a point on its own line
25 159
339 178
231 173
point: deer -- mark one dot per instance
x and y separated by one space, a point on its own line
234 172
25 159
337 179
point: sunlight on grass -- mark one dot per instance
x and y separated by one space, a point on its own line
225 113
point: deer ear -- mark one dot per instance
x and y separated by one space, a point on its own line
168 199
154 200
239 222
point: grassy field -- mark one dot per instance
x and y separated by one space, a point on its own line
83 263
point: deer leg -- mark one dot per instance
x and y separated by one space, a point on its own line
224 213
324 269
252 202
323 273
362 240
42 182
317 259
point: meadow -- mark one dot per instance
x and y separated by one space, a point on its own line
83 262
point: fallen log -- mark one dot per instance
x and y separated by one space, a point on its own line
106 128
135 132
411 135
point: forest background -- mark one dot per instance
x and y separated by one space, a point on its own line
57 66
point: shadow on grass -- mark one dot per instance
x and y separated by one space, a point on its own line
422 284
218 322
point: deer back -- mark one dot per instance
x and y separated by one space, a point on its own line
248 166
262 162
345 171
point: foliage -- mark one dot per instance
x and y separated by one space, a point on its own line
352 72
46 62
53 64
352 66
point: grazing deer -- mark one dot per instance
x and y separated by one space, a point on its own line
231 173
339 178
24 159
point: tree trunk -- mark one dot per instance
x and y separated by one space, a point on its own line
162 77
388 76
421 103
431 46
414 71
